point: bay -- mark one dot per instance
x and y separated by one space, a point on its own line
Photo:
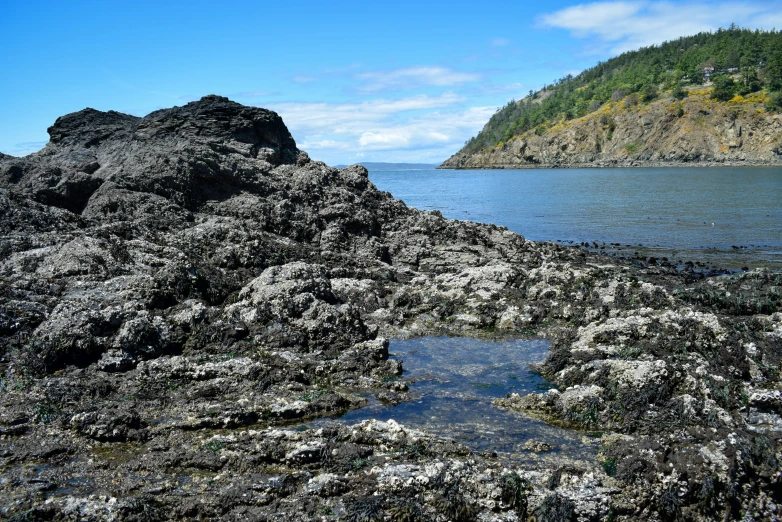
727 216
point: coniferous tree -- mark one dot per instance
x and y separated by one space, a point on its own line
644 74
724 88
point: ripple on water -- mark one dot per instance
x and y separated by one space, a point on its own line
453 381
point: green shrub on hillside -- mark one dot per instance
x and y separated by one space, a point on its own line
649 93
774 104
679 93
724 88
680 112
755 57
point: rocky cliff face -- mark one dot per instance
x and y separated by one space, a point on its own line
695 131
176 290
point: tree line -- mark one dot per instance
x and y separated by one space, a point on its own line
735 60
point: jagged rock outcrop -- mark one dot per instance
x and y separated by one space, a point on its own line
181 154
665 132
176 289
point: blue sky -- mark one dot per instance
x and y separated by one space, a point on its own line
354 81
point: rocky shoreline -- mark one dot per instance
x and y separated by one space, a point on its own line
178 292
695 131
455 165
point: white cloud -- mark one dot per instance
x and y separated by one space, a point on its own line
28 147
353 117
500 42
324 145
384 124
402 137
406 129
599 18
626 25
414 77
385 139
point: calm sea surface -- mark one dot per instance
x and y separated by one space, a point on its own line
729 216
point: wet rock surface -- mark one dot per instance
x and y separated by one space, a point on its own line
447 387
177 290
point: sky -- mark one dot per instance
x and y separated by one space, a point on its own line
402 81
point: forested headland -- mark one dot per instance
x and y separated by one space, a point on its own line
734 64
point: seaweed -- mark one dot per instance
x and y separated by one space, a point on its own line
514 493
555 508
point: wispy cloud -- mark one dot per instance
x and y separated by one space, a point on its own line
432 126
353 117
500 42
413 77
303 79
625 25
27 147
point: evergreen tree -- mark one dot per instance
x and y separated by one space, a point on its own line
774 69
679 92
724 88
775 103
643 75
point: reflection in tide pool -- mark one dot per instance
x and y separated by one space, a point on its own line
454 380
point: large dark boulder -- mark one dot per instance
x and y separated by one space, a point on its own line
178 153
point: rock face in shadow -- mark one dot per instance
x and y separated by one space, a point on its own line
179 154
177 289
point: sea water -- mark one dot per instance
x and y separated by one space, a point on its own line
730 216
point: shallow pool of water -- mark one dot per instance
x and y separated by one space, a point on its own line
453 382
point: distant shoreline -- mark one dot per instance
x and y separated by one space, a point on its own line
612 165
379 165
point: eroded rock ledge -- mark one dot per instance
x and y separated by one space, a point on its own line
177 289
696 131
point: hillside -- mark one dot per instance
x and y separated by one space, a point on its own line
708 98
694 130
